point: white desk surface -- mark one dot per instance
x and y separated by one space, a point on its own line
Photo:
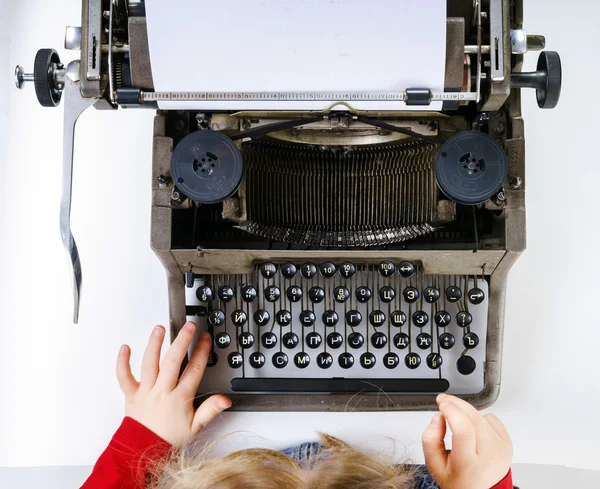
59 401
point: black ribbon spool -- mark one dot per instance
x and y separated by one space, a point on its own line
207 166
471 167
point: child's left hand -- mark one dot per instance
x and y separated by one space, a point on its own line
164 402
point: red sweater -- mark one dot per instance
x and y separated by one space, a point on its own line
135 450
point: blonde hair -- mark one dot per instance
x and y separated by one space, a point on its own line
340 466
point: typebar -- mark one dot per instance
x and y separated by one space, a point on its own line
339 385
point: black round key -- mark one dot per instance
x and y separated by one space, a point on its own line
330 318
204 293
288 270
476 296
353 318
280 360
347 269
453 293
424 341
294 293
466 365
420 318
272 293
335 340
411 294
341 294
356 340
324 360
257 359
313 340
283 318
225 293
379 340
398 319
268 270
363 294
307 318
222 340
308 270
346 360
431 295
216 317
442 318
316 295
239 318
261 317
434 360
268 340
470 340
391 360
387 294
386 268
377 318
327 269
401 341
235 359
246 340
290 340
446 341
412 360
301 360
367 360
213 359
248 293
406 269
464 319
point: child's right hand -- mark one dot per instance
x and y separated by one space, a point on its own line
481 447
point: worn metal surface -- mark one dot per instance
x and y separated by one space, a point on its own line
90 10
141 70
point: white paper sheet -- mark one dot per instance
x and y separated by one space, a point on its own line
296 46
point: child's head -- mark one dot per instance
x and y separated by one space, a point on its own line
339 467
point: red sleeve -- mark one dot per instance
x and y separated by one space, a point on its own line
126 462
505 483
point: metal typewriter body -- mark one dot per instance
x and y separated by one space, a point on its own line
321 189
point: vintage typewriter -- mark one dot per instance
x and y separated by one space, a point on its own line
340 258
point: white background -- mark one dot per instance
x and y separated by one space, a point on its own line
59 401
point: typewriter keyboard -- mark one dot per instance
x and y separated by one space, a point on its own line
342 328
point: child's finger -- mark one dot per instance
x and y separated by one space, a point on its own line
192 375
467 408
171 364
464 445
434 449
126 379
152 357
209 410
497 425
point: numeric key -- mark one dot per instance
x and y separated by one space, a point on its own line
341 294
347 270
308 270
216 317
316 295
294 293
363 294
225 293
248 293
288 270
386 268
327 269
272 293
204 293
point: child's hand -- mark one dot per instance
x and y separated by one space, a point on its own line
481 448
162 401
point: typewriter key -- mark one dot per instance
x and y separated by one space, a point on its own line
341 294
324 360
288 270
353 318
442 318
464 319
308 270
327 269
268 340
261 317
347 270
225 293
471 167
283 318
203 158
213 359
356 340
216 317
294 293
379 340
398 318
386 268
268 270
470 340
290 340
257 359
391 360
446 341
424 341
280 360
246 340
466 365
272 293
377 318
367 360
453 293
316 295
204 293
401 341
334 340
412 360
313 340
406 269
248 293
431 295
346 360
434 361
387 294
301 360
411 294
363 294
330 318
420 319
476 296
239 318
235 359
222 340
307 318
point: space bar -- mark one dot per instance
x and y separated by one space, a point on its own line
339 385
